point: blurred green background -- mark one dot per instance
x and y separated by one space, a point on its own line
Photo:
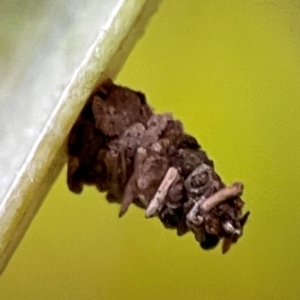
229 70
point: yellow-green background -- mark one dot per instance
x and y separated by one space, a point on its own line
230 71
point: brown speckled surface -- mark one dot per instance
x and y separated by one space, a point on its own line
123 148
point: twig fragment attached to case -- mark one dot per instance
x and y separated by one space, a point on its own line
136 156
